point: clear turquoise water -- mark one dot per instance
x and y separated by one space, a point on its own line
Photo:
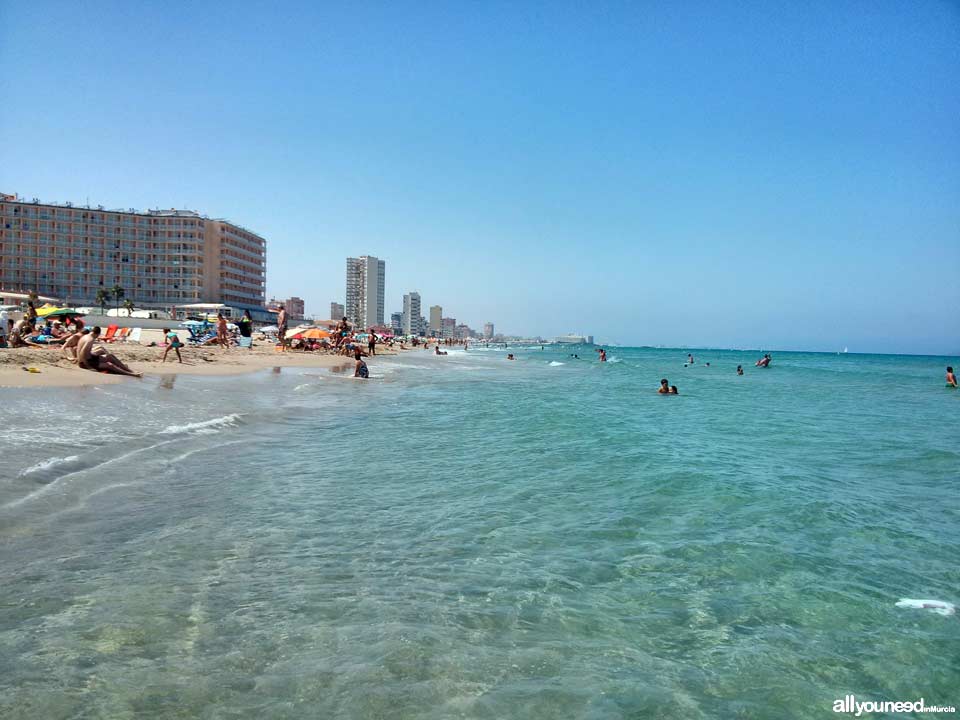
468 537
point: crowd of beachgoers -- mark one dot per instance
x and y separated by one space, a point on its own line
109 350
96 349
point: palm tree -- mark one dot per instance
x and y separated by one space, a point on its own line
118 294
102 298
128 306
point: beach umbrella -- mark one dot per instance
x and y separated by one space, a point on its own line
58 312
313 334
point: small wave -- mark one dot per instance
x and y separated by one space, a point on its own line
47 464
554 363
938 606
204 427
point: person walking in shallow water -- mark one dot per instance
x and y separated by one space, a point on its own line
951 378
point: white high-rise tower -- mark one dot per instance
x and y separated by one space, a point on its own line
411 313
366 277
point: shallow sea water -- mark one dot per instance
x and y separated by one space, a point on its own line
464 536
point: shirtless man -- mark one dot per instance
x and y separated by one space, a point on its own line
97 359
282 328
664 388
69 348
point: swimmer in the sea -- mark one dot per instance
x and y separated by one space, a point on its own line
360 368
951 378
690 358
664 388
510 356
673 390
739 369
603 355
764 361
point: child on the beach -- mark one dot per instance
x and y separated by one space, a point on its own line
173 342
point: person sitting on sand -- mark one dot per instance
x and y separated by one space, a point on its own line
93 357
664 388
673 390
739 369
360 368
69 348
951 378
20 330
173 343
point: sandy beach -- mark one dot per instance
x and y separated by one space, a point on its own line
56 371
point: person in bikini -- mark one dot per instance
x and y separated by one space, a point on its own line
951 378
173 343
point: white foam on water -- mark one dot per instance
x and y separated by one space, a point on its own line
41 491
203 427
940 607
554 363
47 464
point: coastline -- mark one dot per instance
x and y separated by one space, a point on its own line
55 371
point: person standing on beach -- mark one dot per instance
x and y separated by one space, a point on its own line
282 328
372 342
31 312
223 337
951 378
246 326
173 343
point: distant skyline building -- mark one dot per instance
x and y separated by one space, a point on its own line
488 330
366 277
160 257
336 311
411 313
436 319
296 308
448 328
396 323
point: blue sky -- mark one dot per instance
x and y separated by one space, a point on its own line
741 174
